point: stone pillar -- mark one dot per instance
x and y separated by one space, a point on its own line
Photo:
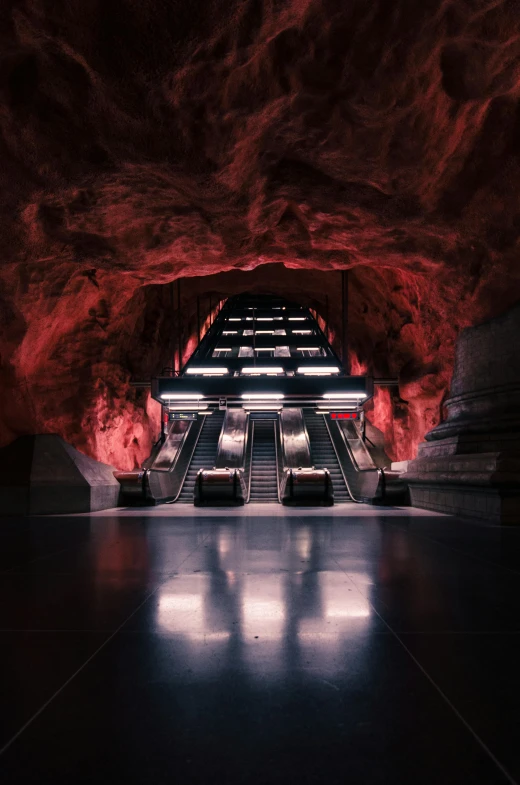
469 465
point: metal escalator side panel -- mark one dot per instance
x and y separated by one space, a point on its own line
161 485
296 451
390 489
307 486
225 483
219 486
364 485
131 484
233 440
358 448
162 458
148 462
301 482
168 453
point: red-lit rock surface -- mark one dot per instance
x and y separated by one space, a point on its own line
147 141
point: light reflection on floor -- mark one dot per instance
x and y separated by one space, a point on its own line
262 602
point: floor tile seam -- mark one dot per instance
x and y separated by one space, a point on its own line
471 556
503 770
89 659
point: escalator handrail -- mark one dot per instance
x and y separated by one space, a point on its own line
248 458
279 458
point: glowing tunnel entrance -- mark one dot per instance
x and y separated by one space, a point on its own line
263 411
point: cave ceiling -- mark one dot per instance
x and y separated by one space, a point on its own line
148 141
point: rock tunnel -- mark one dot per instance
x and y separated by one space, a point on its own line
212 574
144 144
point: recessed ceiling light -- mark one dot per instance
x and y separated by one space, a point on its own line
349 395
181 396
317 370
263 396
259 369
207 371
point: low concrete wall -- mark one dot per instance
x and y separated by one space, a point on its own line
42 474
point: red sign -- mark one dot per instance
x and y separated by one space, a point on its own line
343 415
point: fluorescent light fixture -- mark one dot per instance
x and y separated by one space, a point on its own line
190 407
230 332
318 370
297 318
264 348
261 369
222 349
301 332
265 319
263 407
338 396
207 370
337 406
181 396
263 396
264 332
308 349
235 319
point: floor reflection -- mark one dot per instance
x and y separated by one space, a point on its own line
272 609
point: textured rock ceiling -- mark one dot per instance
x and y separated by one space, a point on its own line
145 141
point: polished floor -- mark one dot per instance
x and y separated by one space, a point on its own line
354 645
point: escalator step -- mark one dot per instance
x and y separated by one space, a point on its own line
203 456
324 455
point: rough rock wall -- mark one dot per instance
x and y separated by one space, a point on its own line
147 141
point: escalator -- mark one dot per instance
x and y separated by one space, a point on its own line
203 456
264 476
323 454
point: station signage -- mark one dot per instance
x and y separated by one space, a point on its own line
343 415
182 416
